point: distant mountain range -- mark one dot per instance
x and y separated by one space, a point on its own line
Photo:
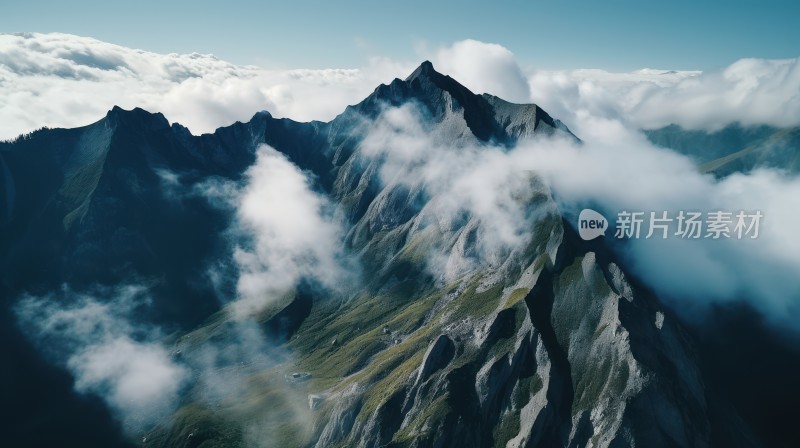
551 344
734 148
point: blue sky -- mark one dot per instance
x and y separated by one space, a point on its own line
610 34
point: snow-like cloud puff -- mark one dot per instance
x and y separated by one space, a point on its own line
107 349
484 68
284 232
291 235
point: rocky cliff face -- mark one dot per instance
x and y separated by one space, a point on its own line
550 346
553 347
546 343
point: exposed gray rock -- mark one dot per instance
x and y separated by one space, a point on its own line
439 354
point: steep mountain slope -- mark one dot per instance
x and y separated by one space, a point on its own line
549 352
545 343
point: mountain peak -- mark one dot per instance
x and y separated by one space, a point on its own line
425 70
138 116
488 118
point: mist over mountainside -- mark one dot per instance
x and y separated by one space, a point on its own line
437 298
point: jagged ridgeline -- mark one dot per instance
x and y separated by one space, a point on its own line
542 345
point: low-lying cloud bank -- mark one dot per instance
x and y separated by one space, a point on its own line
749 92
61 80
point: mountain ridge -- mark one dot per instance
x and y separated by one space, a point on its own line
552 345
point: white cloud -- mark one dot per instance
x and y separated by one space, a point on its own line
750 92
107 350
484 68
461 179
571 94
137 378
291 231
